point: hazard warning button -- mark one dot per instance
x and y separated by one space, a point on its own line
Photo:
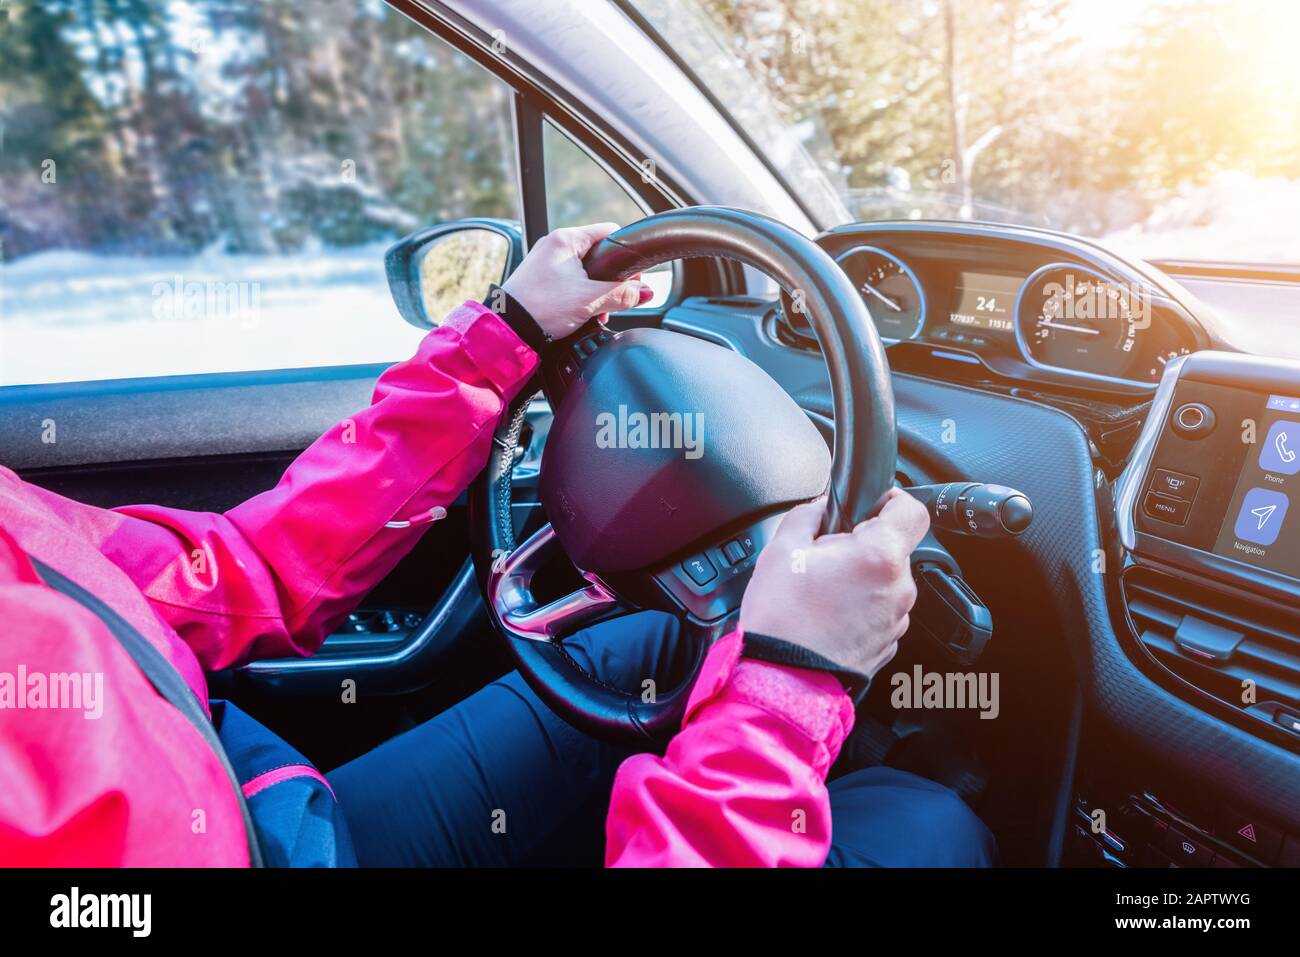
1246 831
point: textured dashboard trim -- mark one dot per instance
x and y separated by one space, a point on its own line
1044 453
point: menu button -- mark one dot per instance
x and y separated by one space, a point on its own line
1171 510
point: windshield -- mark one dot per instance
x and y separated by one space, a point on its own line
1167 128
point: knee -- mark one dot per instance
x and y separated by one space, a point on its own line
627 651
889 818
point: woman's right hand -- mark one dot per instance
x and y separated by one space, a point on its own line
846 595
552 285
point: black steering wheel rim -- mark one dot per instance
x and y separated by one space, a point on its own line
862 465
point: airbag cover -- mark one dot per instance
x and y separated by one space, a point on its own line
663 440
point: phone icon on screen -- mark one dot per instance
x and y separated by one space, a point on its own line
1281 451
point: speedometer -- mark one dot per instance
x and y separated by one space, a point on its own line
889 289
1076 319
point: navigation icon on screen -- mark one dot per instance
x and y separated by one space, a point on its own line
1264 513
1261 517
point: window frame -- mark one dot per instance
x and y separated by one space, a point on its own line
602 145
531 117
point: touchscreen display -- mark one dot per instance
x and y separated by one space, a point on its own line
986 301
1260 526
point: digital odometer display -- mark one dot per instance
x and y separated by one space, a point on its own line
986 301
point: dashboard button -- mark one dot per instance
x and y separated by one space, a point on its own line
1175 484
1193 420
700 569
1287 719
1171 510
734 552
1187 851
1246 832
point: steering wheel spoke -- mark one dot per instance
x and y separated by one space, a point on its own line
519 612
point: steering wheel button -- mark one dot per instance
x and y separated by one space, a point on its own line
700 569
734 552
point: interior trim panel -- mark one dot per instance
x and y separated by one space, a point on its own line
175 417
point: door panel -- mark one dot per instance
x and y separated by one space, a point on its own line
178 417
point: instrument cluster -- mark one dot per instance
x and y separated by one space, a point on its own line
1025 301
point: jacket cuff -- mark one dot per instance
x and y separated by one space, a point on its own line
813 702
493 346
519 319
778 651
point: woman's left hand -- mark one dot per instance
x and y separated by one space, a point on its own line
552 285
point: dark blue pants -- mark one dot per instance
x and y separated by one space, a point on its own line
500 781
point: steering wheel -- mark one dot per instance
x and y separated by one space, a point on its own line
669 463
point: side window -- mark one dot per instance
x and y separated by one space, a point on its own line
580 191
198 186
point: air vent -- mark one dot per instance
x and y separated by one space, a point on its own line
1221 642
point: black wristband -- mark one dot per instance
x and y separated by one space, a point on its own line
519 319
778 651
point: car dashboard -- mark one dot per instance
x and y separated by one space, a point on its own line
1022 303
1162 551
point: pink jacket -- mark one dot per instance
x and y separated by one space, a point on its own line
122 778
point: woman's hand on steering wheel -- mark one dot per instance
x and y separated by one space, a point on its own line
553 286
845 596
648 526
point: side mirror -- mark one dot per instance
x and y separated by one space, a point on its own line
432 271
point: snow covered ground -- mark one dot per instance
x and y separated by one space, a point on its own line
72 316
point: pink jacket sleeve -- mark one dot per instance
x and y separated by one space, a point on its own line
743 784
274 575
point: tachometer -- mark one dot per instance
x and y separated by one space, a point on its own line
1074 318
889 288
